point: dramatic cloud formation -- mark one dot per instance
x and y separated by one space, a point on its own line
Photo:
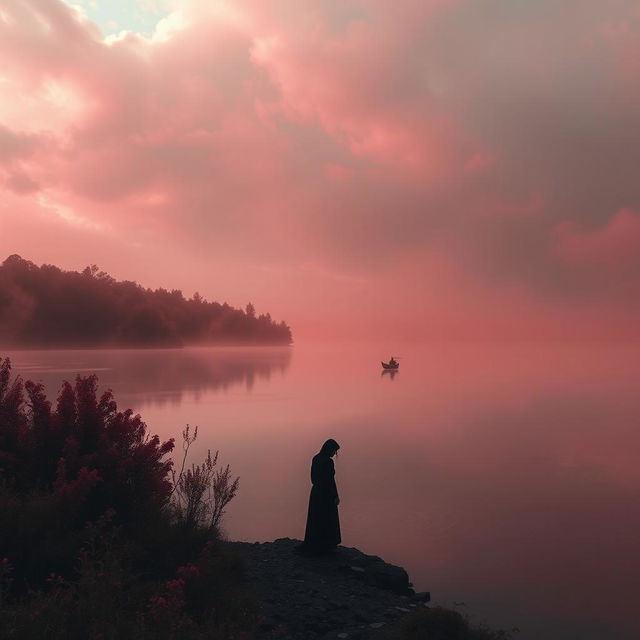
445 168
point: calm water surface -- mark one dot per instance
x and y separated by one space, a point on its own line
502 477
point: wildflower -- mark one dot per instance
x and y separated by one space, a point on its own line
188 572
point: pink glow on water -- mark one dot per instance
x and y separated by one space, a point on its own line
505 477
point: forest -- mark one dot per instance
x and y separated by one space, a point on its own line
48 307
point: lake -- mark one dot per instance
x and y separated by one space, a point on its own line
504 478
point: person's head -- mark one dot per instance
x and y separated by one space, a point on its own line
330 447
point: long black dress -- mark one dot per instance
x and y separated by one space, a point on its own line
323 525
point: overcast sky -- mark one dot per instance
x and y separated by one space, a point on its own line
374 168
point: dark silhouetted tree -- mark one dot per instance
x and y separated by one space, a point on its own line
43 306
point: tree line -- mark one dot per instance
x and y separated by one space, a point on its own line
46 306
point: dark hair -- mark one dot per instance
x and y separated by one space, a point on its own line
329 447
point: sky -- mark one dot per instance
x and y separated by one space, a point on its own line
422 169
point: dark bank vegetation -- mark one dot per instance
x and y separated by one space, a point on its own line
438 623
45 306
100 536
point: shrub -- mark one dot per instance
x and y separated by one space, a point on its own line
438 623
93 546
65 465
89 455
201 599
202 492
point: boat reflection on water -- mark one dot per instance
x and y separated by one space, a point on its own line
389 373
390 368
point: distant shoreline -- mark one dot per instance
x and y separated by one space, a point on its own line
48 308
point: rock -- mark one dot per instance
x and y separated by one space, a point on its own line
337 595
388 576
422 596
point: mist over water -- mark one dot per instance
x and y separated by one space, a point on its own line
504 477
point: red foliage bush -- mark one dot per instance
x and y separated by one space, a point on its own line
90 546
87 454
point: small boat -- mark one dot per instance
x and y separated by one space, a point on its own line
393 367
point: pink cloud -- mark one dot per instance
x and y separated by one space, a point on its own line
480 161
330 145
613 247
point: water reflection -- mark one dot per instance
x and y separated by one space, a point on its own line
389 373
506 477
155 376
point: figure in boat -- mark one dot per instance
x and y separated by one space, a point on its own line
392 364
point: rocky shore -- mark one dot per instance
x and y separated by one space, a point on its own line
344 595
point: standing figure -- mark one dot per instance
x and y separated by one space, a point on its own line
322 533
